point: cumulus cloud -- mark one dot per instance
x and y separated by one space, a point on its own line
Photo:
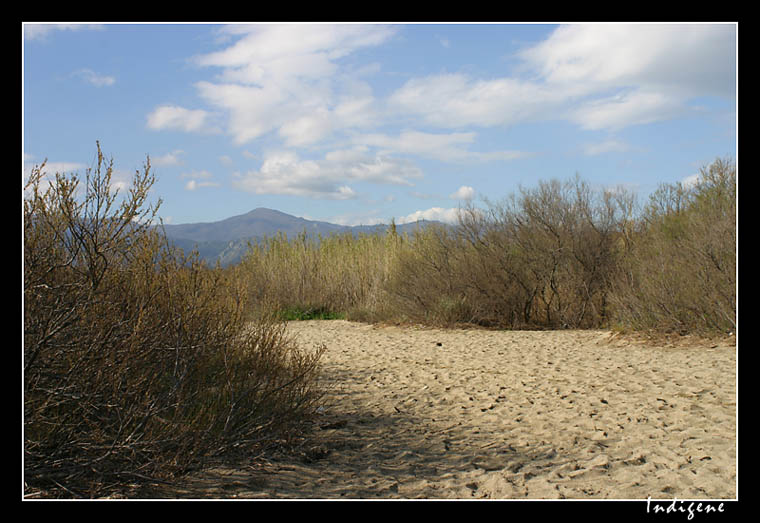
285 78
463 193
96 79
42 31
251 111
457 100
449 147
202 175
414 142
49 171
192 185
177 118
51 168
290 51
625 109
607 146
292 83
441 214
691 181
286 173
120 180
168 159
687 58
367 218
600 76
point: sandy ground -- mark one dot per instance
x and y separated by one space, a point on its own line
469 414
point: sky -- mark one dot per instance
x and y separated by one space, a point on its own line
360 123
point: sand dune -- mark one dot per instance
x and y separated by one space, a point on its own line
468 414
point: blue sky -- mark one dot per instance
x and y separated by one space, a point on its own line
360 123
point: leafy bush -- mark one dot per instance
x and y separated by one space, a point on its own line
138 361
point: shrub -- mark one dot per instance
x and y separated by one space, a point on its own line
679 274
559 255
318 277
138 362
540 259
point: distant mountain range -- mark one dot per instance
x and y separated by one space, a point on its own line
227 240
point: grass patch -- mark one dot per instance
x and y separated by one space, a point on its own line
300 314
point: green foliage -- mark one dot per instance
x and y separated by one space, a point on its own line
295 314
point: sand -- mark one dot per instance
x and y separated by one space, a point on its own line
474 414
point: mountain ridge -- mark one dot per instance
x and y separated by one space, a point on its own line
227 240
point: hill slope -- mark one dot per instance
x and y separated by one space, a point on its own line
227 240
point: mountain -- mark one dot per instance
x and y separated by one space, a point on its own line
227 240
257 223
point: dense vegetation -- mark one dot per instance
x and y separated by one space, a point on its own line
560 255
141 361
138 360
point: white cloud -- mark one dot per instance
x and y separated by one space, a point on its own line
198 179
367 218
178 118
281 51
689 58
600 76
446 147
49 171
201 175
293 82
93 78
691 181
607 146
306 129
653 69
51 168
328 178
120 180
415 142
463 193
192 185
42 31
168 159
627 109
456 100
450 215
251 111
285 78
